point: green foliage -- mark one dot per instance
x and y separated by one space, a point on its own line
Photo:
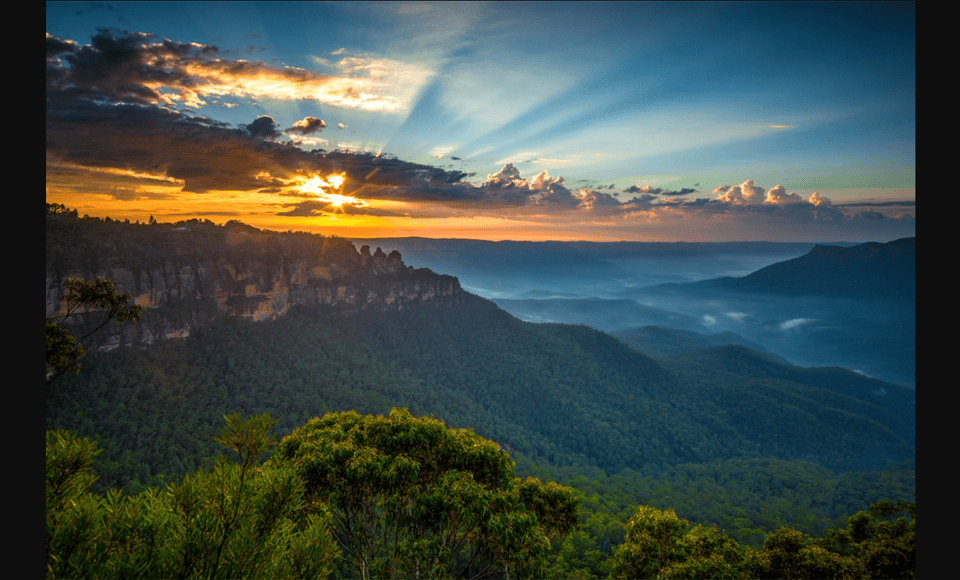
413 498
723 436
658 544
790 554
548 393
64 351
238 520
883 539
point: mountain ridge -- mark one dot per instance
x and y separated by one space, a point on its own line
188 273
868 269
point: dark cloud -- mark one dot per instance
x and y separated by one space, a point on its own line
645 189
650 190
370 176
307 126
593 199
101 93
264 127
317 207
121 65
899 203
309 208
871 215
642 201
206 155
56 46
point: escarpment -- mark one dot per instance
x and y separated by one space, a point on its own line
191 272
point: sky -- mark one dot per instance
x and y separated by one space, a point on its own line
638 121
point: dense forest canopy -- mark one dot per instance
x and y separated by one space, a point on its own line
721 435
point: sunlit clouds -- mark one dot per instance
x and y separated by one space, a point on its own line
482 121
325 189
136 67
256 80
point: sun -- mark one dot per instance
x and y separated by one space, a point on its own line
324 188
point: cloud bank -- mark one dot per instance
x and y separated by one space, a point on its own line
133 95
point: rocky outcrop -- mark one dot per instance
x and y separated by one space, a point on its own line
255 276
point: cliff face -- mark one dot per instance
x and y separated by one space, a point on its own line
189 274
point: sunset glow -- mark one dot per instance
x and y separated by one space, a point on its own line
325 188
487 120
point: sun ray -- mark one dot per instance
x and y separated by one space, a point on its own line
325 188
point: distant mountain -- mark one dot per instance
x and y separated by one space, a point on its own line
871 269
511 269
853 307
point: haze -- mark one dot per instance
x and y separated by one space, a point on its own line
620 287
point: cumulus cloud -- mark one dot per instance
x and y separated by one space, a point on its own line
508 186
745 193
264 127
307 126
750 198
508 176
778 196
591 199
551 190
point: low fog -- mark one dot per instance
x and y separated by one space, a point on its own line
618 287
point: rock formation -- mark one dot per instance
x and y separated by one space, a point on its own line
191 272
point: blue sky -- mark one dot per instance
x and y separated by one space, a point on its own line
545 120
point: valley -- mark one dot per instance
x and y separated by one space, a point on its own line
724 425
783 296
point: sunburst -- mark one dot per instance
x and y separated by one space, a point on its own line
325 188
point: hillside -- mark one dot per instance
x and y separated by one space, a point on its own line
669 342
564 400
866 270
557 394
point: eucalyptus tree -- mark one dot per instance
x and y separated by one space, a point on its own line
413 498
241 519
64 350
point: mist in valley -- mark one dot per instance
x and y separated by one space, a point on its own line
619 287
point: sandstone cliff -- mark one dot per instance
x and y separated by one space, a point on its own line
191 272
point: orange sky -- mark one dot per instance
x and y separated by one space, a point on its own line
139 126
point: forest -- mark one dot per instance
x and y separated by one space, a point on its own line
732 462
